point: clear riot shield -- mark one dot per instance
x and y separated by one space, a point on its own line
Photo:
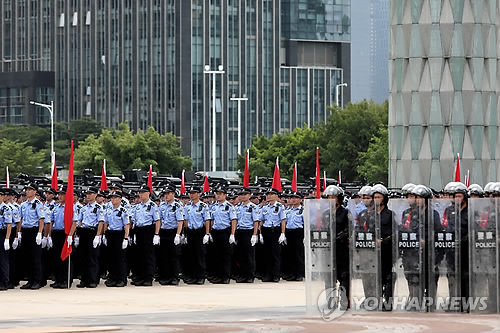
408 253
483 265
320 270
442 252
366 280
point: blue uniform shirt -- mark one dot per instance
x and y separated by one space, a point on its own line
145 214
116 218
197 214
49 206
247 215
295 218
272 215
223 214
16 213
171 214
5 215
91 215
31 213
57 216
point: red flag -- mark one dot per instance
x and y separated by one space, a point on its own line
8 178
277 177
467 178
104 182
294 178
53 184
457 169
246 176
318 176
68 209
183 183
150 178
206 187
340 178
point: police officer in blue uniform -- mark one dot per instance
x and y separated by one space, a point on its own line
5 231
90 231
59 237
14 240
198 226
273 223
116 228
32 221
223 229
172 219
246 236
294 260
146 218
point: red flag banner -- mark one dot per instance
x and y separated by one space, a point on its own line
206 186
324 180
457 169
68 209
150 178
53 183
183 183
318 176
277 177
246 175
294 178
340 177
104 181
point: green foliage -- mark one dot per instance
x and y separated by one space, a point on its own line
34 136
124 150
375 161
20 158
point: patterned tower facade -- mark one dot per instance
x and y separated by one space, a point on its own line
444 85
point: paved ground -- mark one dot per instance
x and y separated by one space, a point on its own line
259 307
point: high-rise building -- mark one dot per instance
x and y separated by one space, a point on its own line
370 51
144 62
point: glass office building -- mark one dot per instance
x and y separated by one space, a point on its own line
143 61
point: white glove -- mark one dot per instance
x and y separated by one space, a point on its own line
50 244
130 241
135 239
69 240
253 240
184 239
44 242
210 237
96 242
76 242
124 244
261 239
104 240
6 245
15 243
19 236
38 239
282 239
177 239
232 240
156 240
206 239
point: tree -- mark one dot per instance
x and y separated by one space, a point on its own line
375 161
34 136
20 158
124 150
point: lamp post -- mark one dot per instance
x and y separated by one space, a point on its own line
337 94
50 108
239 99
214 122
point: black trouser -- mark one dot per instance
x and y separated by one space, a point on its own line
13 258
4 262
32 255
196 267
60 267
132 254
145 253
117 264
89 256
272 250
168 255
343 267
245 253
222 253
294 259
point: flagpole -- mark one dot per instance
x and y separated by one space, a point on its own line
69 269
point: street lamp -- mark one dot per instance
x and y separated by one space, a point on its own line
337 94
49 107
214 122
239 99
